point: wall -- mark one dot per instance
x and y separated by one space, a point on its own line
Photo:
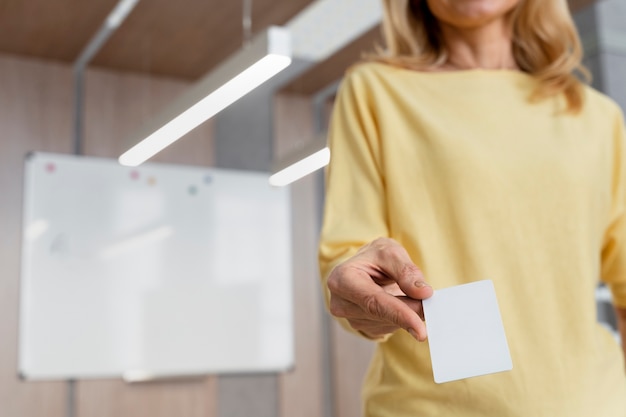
36 115
36 110
603 36
340 359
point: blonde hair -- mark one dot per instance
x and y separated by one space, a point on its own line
545 44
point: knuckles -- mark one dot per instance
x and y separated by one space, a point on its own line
409 270
340 282
335 278
336 308
371 305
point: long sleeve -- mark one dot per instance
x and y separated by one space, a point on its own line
355 212
614 250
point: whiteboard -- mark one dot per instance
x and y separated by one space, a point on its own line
155 271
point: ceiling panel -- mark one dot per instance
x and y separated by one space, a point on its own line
186 38
51 29
176 38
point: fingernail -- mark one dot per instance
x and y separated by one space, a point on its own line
413 333
420 284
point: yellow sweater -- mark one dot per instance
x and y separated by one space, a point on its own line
478 183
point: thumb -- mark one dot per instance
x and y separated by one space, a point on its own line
395 262
411 280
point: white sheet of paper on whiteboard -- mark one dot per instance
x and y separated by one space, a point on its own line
465 332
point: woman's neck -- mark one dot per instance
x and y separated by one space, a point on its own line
487 47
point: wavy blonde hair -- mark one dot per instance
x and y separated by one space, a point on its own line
545 44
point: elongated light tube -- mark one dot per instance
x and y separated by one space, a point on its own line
264 58
301 168
117 16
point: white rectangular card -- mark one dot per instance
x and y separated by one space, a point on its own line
465 332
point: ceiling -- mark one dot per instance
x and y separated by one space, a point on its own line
174 38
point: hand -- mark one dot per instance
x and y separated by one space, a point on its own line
379 290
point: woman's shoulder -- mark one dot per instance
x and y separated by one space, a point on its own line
366 78
367 70
601 103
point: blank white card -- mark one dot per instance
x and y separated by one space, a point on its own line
465 332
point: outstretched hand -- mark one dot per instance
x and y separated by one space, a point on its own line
379 290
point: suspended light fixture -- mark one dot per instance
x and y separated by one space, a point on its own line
304 161
261 59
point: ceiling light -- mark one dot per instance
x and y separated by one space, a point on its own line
308 159
117 16
259 61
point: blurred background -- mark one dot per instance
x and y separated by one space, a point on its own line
74 81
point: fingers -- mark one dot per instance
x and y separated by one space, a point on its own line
393 262
371 329
382 313
358 290
346 309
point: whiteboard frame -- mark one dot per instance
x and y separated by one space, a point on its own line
154 303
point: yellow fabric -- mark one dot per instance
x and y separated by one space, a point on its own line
478 183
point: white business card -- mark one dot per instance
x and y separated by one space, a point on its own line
465 332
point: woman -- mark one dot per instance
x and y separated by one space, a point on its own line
469 150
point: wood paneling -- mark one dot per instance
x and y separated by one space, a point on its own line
301 390
293 124
57 29
350 359
36 115
183 38
106 398
187 38
118 103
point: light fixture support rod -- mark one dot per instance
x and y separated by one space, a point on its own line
110 25
246 22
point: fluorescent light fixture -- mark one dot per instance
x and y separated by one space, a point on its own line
119 13
265 57
308 159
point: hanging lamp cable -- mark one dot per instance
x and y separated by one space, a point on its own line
246 22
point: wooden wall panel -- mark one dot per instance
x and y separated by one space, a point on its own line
185 398
350 359
33 115
293 123
117 104
36 100
301 390
36 114
349 355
